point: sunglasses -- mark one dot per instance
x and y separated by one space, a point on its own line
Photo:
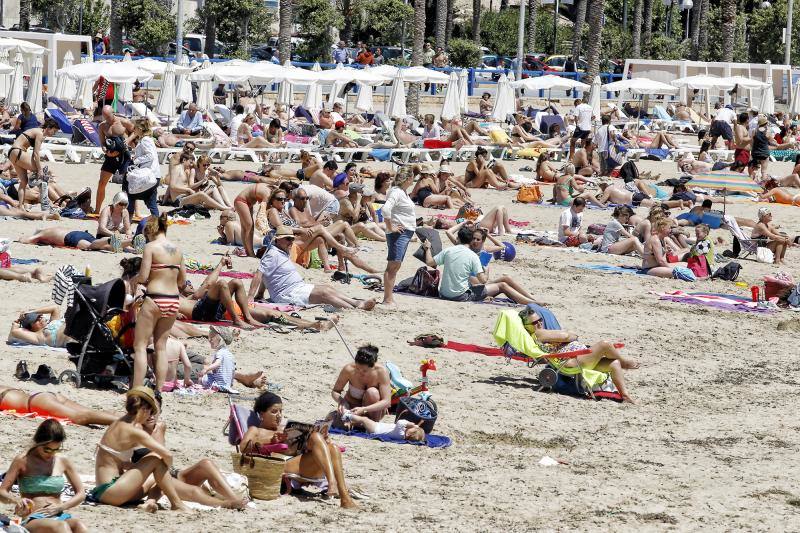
47 449
280 198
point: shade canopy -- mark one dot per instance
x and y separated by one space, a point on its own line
157 68
451 107
397 100
122 72
18 45
728 181
549 81
640 86
412 74
704 82
34 94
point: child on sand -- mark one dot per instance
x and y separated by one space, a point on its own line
400 430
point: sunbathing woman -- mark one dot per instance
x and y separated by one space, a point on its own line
780 195
189 482
25 162
114 218
604 357
369 391
545 170
33 328
162 273
654 255
245 138
52 404
82 240
24 274
41 474
183 190
482 172
567 188
321 457
611 193
243 204
120 482
9 208
426 191
769 236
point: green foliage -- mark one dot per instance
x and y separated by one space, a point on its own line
464 53
315 19
149 23
714 27
64 15
499 31
381 21
765 28
231 16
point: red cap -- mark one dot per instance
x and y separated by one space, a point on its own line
339 124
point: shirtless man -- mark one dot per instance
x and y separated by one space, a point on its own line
742 140
323 177
113 141
586 160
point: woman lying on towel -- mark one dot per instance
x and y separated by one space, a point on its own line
33 328
120 482
322 458
188 481
52 404
41 475
604 357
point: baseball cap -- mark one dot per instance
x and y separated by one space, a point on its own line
339 124
28 319
339 179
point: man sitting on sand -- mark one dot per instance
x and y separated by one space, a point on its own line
285 285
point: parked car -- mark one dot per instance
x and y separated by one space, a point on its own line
186 51
557 63
392 53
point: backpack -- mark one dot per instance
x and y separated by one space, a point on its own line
728 272
425 282
629 172
529 194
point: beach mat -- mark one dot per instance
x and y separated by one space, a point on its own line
432 441
611 269
726 302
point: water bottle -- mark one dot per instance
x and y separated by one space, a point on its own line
88 271
44 200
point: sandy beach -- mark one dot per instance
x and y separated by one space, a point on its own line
711 445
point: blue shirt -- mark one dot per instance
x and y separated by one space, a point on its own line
279 274
340 55
190 123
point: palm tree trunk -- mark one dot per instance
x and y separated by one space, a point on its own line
285 30
450 23
532 6
703 37
347 31
595 10
694 28
24 15
476 22
647 34
503 4
440 24
577 28
115 33
210 29
636 45
416 54
728 9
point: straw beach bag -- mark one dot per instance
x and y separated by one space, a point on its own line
263 474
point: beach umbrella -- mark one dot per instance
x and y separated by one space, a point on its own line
340 78
463 91
83 95
285 94
594 97
166 97
65 86
313 97
794 105
550 82
745 83
125 89
639 86
704 82
5 79
767 95
183 90
397 100
364 101
726 182
205 91
451 107
15 95
503 105
34 96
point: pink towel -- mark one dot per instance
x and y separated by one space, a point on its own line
224 274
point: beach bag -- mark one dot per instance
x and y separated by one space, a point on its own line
683 273
469 212
764 255
264 474
529 194
418 411
425 282
140 180
699 265
428 340
629 172
728 272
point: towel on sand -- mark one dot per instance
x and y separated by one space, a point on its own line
431 441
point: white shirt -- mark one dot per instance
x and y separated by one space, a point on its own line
396 431
222 377
336 117
726 115
399 209
570 220
236 121
318 198
583 114
601 137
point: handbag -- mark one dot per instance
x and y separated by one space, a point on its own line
529 194
140 179
264 474
425 282
764 255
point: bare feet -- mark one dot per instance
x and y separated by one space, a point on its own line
629 364
150 506
627 399
241 324
236 503
181 507
368 305
325 325
255 380
40 275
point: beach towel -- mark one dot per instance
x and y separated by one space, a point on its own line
34 416
16 261
726 302
517 223
611 269
381 154
225 273
432 441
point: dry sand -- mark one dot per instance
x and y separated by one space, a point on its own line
712 444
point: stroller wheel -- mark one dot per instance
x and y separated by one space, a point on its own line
547 378
71 377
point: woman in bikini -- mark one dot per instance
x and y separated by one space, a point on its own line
25 162
567 188
52 404
42 475
481 172
114 218
770 236
545 170
654 256
244 204
369 391
118 481
183 189
780 195
245 138
34 329
320 459
426 192
162 273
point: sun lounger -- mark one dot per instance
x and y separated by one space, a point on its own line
747 245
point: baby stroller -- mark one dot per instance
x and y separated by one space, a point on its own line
96 353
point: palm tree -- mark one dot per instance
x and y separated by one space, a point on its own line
595 20
285 30
450 22
115 33
577 29
24 15
694 28
440 23
532 5
636 45
728 9
647 34
476 21
210 24
703 38
416 54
